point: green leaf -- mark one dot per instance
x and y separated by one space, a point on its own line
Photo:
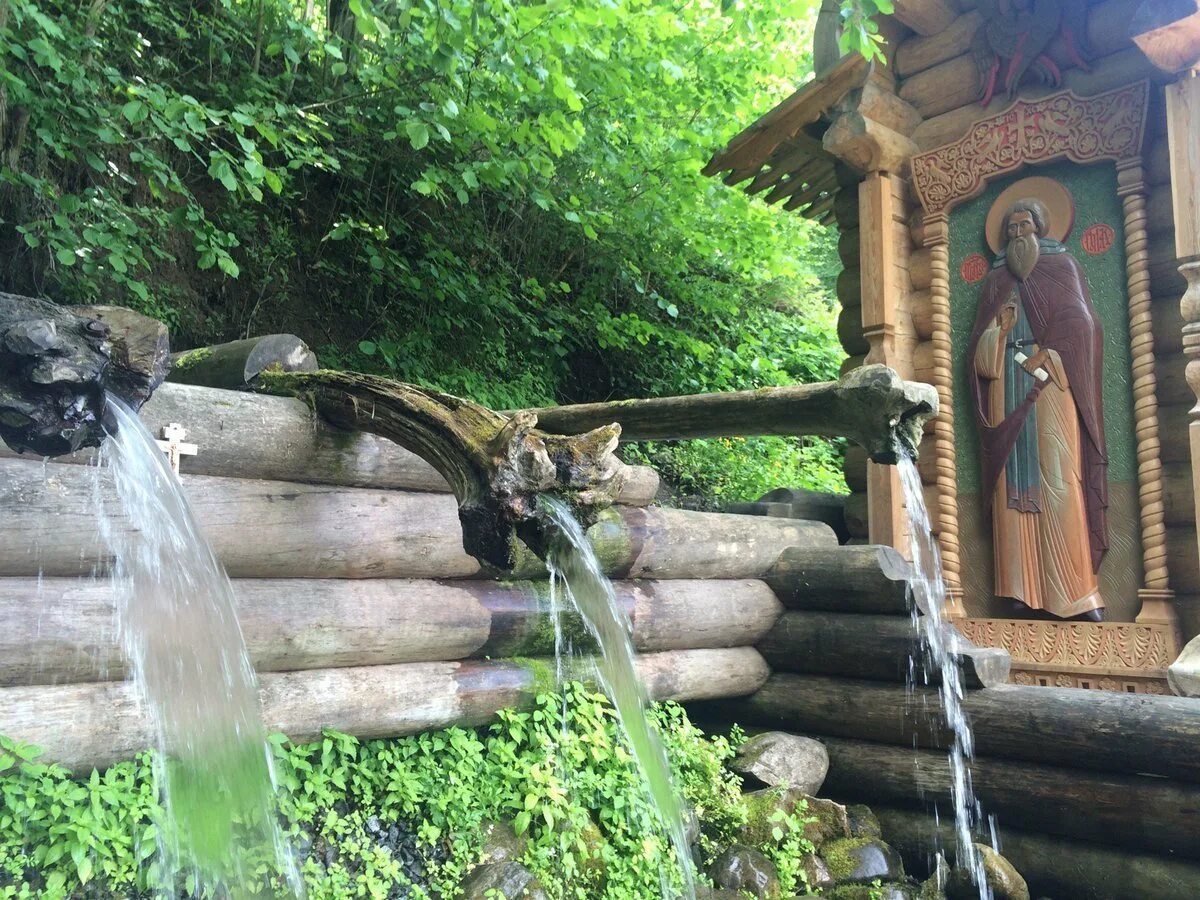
134 111
228 266
65 256
367 347
418 133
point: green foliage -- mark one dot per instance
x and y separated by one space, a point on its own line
860 33
569 784
499 199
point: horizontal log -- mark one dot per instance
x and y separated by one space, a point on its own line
1160 213
239 363
858 515
1167 325
926 16
919 269
943 87
872 406
919 53
848 248
1182 561
1108 72
1172 386
1100 730
1052 866
82 726
878 647
923 365
920 304
271 529
849 286
62 630
850 330
1129 811
870 579
854 470
242 435
1157 157
1173 431
1179 496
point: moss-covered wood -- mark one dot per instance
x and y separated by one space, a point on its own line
496 466
871 405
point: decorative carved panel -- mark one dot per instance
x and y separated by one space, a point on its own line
1115 656
1084 129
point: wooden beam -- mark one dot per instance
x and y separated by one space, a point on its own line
61 630
926 17
1168 32
81 726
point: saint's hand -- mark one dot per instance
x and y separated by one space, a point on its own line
1035 362
1007 317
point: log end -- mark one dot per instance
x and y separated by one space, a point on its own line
884 413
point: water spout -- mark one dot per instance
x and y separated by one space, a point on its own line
57 365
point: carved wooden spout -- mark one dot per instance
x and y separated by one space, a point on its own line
496 465
57 364
870 405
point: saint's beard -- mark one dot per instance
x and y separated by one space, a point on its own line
1022 255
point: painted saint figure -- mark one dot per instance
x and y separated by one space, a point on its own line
1034 361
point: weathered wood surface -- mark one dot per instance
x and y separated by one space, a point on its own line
86 725
1053 866
1104 730
870 405
243 435
237 364
885 648
871 579
919 53
63 630
1129 811
271 529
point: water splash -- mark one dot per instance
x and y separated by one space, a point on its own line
928 612
188 660
575 569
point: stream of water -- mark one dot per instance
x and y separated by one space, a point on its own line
576 573
929 617
188 661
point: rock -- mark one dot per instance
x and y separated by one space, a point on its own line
512 880
831 821
744 869
501 843
779 759
1004 880
933 888
892 891
707 893
816 872
862 860
863 822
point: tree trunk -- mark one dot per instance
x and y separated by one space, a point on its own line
82 726
271 529
885 648
62 630
1052 866
237 364
1154 814
870 405
1100 730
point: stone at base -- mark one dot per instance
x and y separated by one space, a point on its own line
501 843
861 861
779 759
512 880
863 822
1004 880
744 869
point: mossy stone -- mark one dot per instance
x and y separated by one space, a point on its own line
863 822
743 868
1002 877
861 861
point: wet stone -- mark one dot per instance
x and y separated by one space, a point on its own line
889 891
816 871
1002 877
501 843
863 822
512 880
862 860
779 759
744 869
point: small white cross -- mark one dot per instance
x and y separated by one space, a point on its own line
173 445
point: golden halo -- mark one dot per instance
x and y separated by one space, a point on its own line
1057 198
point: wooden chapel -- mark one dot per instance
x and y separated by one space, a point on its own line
1092 109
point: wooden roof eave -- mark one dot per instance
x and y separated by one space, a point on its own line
750 150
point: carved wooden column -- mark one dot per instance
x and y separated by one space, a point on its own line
937 239
1155 594
880 301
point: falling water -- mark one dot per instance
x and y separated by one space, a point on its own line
573 565
188 660
929 617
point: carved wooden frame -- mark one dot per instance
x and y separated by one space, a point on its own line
1108 127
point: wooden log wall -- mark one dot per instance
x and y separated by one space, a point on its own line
1111 778
360 609
850 333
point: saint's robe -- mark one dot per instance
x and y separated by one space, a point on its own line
1042 444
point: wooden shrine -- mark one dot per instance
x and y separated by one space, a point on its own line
1017 194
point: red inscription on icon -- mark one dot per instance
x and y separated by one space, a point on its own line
973 268
1097 239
